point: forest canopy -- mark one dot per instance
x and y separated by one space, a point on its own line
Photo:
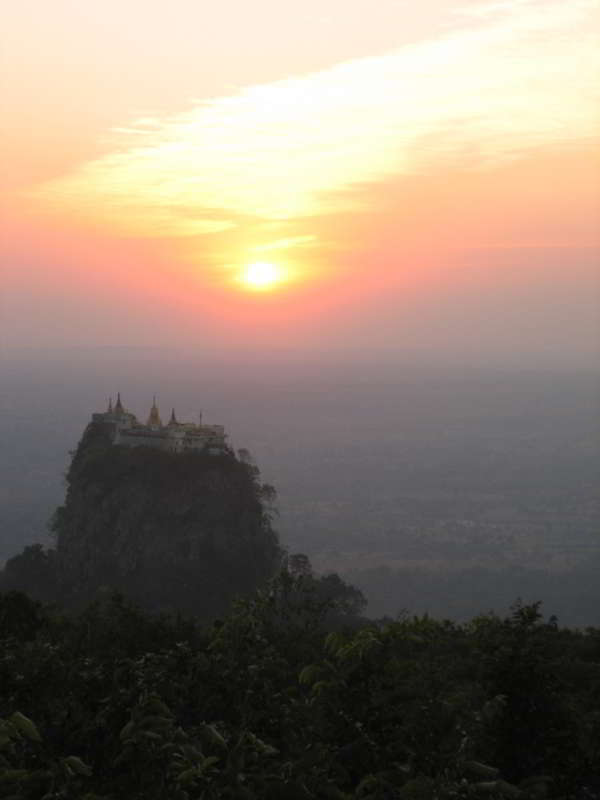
282 699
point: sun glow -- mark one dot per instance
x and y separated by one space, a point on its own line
261 275
306 169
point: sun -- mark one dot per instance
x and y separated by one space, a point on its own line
261 275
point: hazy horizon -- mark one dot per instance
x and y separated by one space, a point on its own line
398 466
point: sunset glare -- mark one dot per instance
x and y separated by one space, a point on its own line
440 158
261 275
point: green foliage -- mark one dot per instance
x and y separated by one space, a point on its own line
20 616
28 769
33 571
291 697
290 694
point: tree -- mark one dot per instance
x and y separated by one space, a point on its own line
34 571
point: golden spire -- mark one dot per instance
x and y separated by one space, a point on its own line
154 419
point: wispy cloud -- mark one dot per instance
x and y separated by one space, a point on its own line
515 76
286 243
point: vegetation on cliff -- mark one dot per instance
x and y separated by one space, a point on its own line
172 531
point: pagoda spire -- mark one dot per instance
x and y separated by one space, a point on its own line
173 420
110 408
119 406
154 419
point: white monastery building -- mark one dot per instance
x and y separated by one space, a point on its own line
177 437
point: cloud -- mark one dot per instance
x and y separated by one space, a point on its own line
286 243
520 75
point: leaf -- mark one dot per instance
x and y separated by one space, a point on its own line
78 766
150 735
156 705
262 747
214 737
13 775
309 673
367 783
188 776
192 752
127 730
154 721
333 642
481 770
509 789
25 726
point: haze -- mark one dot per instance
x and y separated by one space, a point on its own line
447 489
413 362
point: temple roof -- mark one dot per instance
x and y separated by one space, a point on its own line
119 406
154 416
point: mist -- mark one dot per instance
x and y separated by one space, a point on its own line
448 488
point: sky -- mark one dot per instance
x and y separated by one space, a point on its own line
324 176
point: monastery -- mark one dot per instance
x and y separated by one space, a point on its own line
177 437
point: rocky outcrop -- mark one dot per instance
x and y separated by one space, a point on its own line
174 531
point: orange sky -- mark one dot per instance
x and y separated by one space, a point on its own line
425 178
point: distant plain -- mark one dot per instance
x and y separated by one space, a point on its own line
439 488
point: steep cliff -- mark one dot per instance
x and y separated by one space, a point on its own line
173 531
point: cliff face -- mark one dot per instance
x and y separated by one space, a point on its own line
174 531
